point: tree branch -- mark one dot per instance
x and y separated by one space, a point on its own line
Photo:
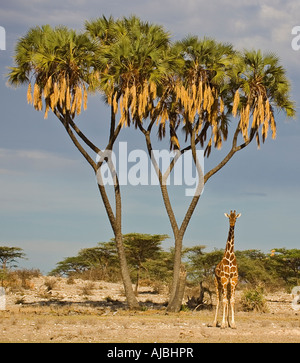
74 139
68 123
232 151
199 188
82 136
161 179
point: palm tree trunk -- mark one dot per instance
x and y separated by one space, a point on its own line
176 297
176 273
116 224
130 296
114 219
179 274
175 301
137 280
178 282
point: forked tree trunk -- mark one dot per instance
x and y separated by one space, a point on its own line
175 302
130 296
174 297
114 218
178 282
116 224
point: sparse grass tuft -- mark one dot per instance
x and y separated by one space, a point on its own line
88 288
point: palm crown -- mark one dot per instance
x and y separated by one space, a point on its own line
198 83
215 82
59 65
262 88
135 59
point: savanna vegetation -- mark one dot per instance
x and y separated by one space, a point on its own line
212 92
151 265
149 261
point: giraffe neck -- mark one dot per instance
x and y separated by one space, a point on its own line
230 240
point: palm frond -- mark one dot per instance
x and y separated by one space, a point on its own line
58 63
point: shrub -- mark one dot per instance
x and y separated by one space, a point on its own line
253 300
88 288
50 284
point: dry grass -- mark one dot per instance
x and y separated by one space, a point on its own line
81 311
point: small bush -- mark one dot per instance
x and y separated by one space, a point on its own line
253 300
70 280
50 284
88 288
26 275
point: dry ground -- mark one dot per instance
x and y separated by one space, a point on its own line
51 310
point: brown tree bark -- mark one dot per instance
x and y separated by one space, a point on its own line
115 219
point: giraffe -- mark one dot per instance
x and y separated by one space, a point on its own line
226 274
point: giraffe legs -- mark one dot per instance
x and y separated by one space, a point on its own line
220 285
233 283
225 318
218 302
225 306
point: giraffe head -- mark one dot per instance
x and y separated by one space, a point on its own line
232 217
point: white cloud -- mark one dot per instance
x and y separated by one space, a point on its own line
19 161
34 180
257 23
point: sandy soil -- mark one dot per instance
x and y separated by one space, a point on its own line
52 310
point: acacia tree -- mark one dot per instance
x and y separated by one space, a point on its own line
102 258
8 255
140 248
286 263
60 68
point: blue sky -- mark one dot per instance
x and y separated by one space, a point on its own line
49 201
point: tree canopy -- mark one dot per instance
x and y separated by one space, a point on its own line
8 255
150 261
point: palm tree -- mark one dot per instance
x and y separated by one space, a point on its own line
214 84
193 98
197 85
55 63
60 67
138 66
132 62
259 87
135 62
